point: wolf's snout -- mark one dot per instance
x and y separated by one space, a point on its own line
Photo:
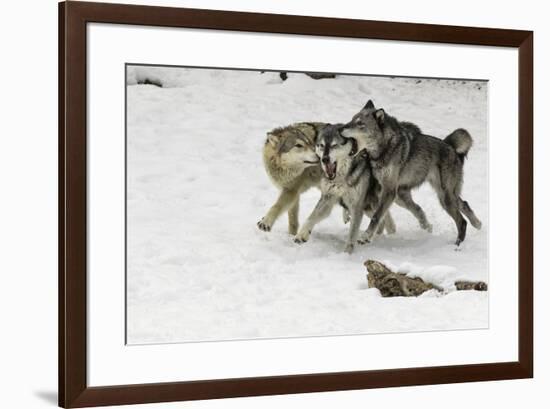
325 160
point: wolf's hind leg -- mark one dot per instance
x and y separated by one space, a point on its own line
293 217
450 203
405 200
467 211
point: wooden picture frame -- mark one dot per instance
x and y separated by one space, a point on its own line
73 388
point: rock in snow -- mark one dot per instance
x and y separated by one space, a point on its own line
392 284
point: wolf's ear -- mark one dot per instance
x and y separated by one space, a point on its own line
369 105
380 115
272 138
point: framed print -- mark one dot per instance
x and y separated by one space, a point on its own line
255 204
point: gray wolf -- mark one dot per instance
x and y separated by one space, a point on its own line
403 158
292 165
346 180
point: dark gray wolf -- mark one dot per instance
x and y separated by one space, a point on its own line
403 158
346 180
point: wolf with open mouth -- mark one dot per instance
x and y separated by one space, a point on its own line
403 158
347 180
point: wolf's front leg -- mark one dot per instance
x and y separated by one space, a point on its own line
321 211
360 165
284 201
386 199
356 214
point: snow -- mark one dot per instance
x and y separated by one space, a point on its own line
199 269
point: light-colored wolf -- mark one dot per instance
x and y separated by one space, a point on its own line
403 158
347 180
292 165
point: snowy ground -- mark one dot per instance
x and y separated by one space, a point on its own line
198 267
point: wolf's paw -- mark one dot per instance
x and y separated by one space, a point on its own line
428 227
364 239
264 224
302 237
346 216
349 248
476 223
390 229
292 229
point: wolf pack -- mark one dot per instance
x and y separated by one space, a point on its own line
365 165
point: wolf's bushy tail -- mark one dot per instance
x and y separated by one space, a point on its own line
461 141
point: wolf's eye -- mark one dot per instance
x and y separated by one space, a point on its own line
299 145
333 146
359 123
321 145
